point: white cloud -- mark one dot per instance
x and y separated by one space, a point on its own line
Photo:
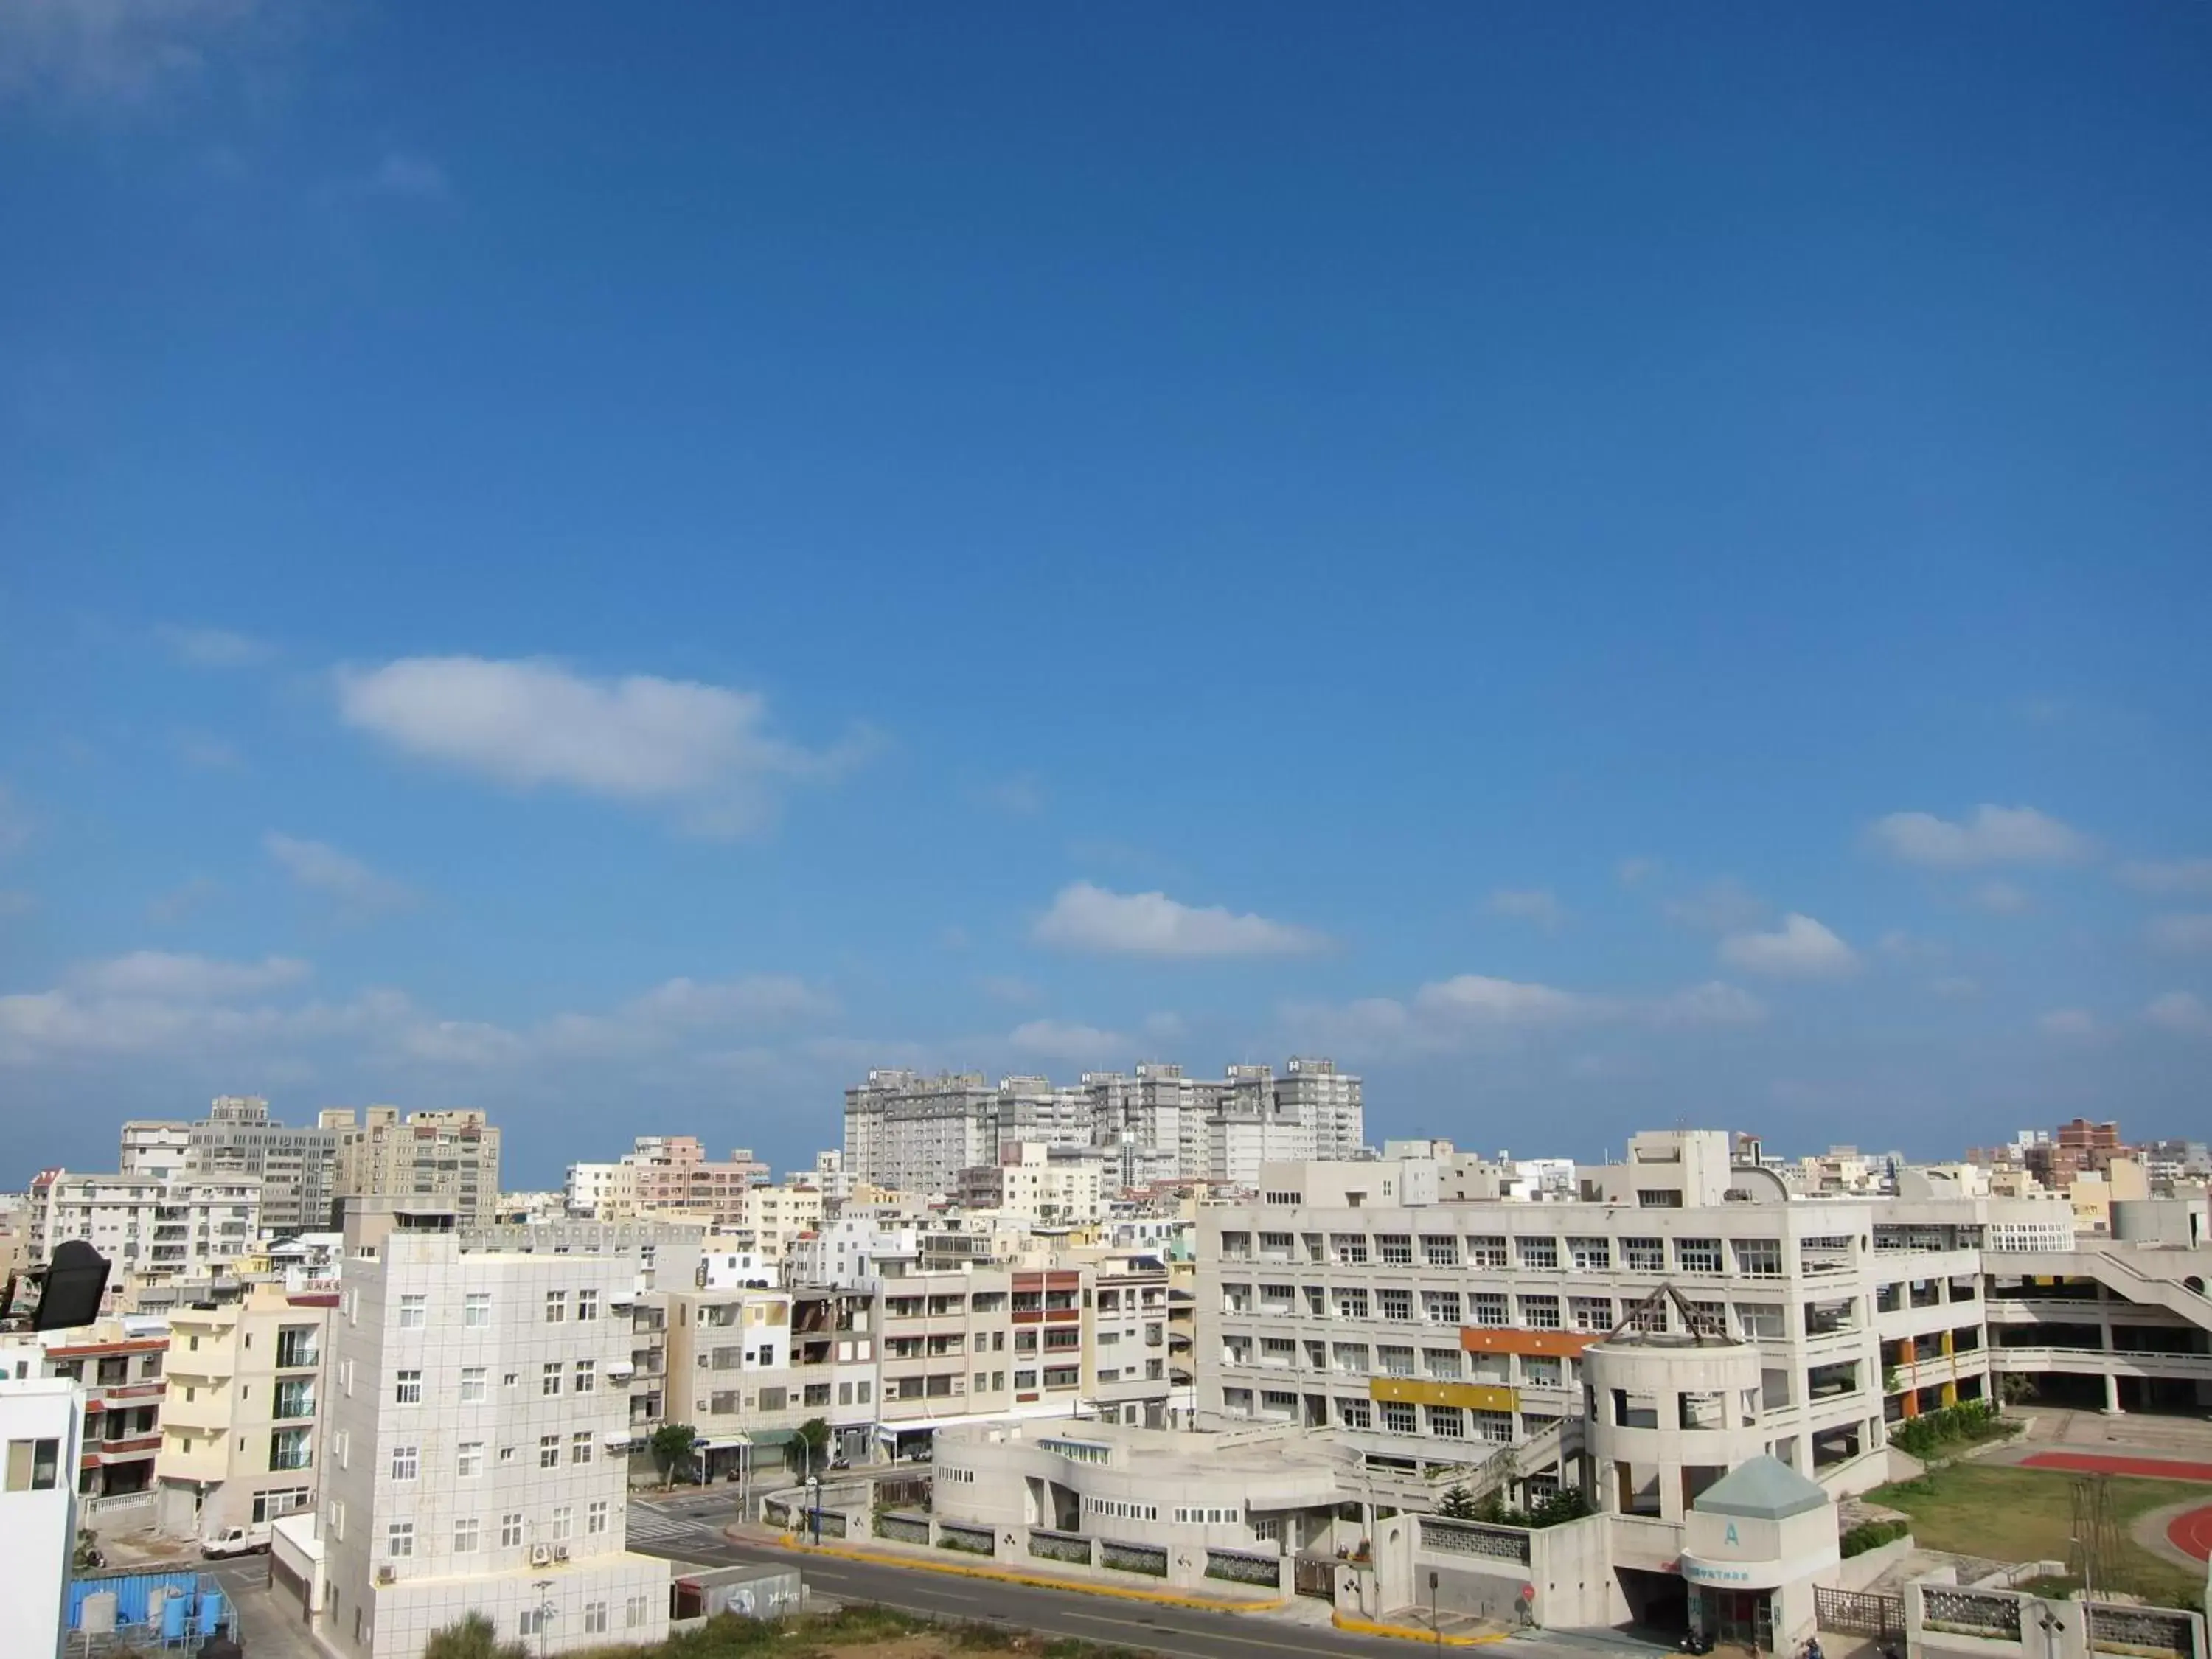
2068 1022
1536 905
322 868
206 752
1801 949
2182 931
2001 898
1054 1039
1991 835
15 823
1476 1010
1910 947
1084 917
415 178
703 749
116 53
1006 988
180 902
749 999
186 978
2182 1012
1022 796
2169 877
214 647
1954 987
1725 905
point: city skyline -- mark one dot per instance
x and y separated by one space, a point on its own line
1586 616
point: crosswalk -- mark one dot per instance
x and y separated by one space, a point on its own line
652 1526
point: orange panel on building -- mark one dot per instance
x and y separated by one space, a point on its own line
1493 1339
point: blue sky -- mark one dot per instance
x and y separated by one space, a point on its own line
1605 569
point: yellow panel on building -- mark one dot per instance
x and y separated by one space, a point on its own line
1477 1396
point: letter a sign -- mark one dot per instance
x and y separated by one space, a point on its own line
1730 1539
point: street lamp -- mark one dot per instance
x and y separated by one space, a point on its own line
2051 1629
545 1611
1435 1629
814 1504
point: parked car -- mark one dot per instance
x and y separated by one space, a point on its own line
236 1540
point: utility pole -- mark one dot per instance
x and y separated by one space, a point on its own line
1436 1630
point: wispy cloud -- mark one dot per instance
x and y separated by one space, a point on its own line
1635 871
1084 917
185 978
1064 1041
1021 796
1534 904
703 751
1007 988
2184 1013
15 823
1472 1011
2184 930
1723 905
214 647
2001 898
1989 835
2070 1022
2169 876
322 868
1801 948
117 54
203 751
181 901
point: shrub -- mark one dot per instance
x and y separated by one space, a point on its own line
1873 1535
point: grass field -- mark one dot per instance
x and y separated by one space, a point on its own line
856 1632
2011 1514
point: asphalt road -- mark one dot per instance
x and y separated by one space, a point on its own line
1176 1632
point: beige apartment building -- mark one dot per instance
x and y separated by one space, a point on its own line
245 1387
449 1157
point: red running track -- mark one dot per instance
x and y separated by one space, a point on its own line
2191 1534
2157 1468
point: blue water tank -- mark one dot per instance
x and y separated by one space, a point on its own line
211 1612
175 1610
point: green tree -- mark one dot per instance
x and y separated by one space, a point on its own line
809 1446
475 1638
673 1445
1458 1504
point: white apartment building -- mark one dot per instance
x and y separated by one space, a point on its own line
1057 1186
39 1432
154 1148
477 1416
244 1385
188 1226
449 1157
604 1192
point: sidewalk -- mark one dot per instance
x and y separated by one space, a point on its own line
884 1552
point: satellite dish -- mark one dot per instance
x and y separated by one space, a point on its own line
77 1279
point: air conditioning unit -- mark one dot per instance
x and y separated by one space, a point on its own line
540 1554
387 1576
560 1552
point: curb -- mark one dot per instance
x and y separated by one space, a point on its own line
1413 1633
1038 1580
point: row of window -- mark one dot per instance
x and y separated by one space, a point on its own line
469 1531
1596 1314
1385 1359
637 1611
476 1308
1761 1257
580 1377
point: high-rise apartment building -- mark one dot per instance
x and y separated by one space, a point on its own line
449 1157
297 1167
188 1226
479 1413
155 1148
907 1132
245 1379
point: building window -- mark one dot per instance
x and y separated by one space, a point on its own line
1440 1249
587 1305
595 1519
635 1612
471 1462
580 1447
1350 1303
1395 1304
406 1462
475 1385
1591 1313
1399 1418
467 1534
1495 1427
1760 1258
475 1309
1440 1307
1448 1422
1540 1313
1441 1363
414 1312
564 1524
548 1382
1355 1413
1590 1256
510 1532
1349 1248
33 1465
408 1389
1490 1308
1697 1255
556 1306
291 1449
595 1618
1645 1256
1393 1361
1539 1251
549 1451
587 1376
1396 1250
399 1540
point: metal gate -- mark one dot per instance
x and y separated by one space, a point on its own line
1314 1575
1859 1612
